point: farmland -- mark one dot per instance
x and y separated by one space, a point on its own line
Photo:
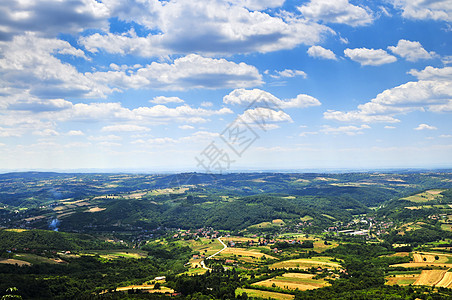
292 281
287 236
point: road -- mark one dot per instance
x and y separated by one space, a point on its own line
218 252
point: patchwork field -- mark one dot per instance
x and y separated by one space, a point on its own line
11 261
430 277
292 281
263 294
426 196
244 252
306 263
402 279
114 254
446 281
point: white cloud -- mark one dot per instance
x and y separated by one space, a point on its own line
337 11
369 57
446 136
46 132
110 137
49 17
320 52
390 127
348 130
164 100
29 67
433 92
124 128
306 133
188 72
258 4
264 115
432 73
206 104
411 51
109 144
357 116
447 60
440 10
75 133
256 96
289 74
227 28
425 127
186 127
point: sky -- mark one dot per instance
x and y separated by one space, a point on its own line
221 86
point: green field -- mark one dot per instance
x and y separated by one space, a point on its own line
263 294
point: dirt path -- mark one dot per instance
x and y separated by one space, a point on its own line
216 253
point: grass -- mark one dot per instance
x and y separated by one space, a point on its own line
426 196
114 254
34 259
404 272
263 294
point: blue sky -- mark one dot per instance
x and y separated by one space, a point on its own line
225 85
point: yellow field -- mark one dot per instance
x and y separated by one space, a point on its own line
292 281
15 230
147 288
420 258
239 239
421 264
446 227
446 281
402 279
244 252
306 263
263 294
430 257
11 261
430 277
95 209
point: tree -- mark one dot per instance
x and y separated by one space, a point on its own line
12 293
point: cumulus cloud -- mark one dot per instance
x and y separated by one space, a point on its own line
370 57
261 115
348 130
164 100
75 133
320 52
28 65
188 72
287 73
411 51
124 128
260 97
227 28
425 127
206 104
338 11
48 17
46 132
432 92
432 73
186 127
439 10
